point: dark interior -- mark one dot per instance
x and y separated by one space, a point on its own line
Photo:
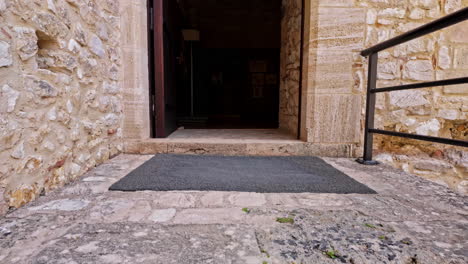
235 63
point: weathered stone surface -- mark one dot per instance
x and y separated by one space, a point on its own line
420 70
289 66
52 65
40 88
9 98
409 219
449 114
388 70
18 151
2 5
444 58
426 4
341 28
96 46
162 215
333 72
461 58
50 25
417 13
330 111
453 5
5 54
27 42
403 99
429 128
432 165
247 199
62 205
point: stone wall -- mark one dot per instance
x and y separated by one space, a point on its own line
289 65
60 102
331 107
135 95
333 99
439 111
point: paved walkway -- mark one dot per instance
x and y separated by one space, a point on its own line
410 221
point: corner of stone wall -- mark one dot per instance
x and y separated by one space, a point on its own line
60 86
331 100
134 42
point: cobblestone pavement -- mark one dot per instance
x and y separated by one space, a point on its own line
410 220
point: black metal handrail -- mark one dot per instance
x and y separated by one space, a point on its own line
372 89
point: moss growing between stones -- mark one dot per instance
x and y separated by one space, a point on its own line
285 220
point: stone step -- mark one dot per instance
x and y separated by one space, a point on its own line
238 147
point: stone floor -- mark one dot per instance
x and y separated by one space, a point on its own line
410 220
236 135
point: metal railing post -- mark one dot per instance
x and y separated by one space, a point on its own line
370 111
372 90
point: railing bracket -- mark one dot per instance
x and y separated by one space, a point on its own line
367 162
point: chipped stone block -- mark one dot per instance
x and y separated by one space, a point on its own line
432 165
408 98
96 46
26 42
50 25
388 70
40 88
9 98
444 59
452 6
429 128
6 58
392 13
385 158
419 70
448 114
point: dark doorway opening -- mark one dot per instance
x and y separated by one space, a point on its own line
215 64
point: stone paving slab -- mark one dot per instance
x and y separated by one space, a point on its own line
410 220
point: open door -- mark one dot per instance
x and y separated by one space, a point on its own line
165 49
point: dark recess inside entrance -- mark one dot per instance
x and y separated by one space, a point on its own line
235 64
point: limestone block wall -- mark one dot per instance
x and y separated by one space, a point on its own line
331 107
439 111
134 44
334 83
60 93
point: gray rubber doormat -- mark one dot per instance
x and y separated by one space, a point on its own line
168 172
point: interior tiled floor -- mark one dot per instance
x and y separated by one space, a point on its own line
229 134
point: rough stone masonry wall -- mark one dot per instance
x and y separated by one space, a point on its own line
60 102
440 111
289 66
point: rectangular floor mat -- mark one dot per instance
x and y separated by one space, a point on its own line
168 172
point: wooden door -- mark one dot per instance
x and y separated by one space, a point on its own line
167 41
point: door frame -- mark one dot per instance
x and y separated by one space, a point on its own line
157 69
156 65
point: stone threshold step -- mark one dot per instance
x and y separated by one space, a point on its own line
239 147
